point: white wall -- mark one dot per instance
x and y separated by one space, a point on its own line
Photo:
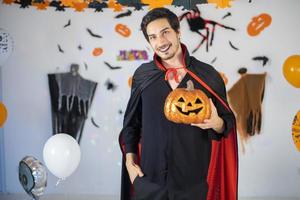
269 167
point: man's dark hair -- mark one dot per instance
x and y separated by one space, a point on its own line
159 13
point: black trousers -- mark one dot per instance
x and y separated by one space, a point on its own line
146 190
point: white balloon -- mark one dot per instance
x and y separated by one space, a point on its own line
61 155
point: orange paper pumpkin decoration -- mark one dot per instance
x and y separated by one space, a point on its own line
97 51
258 24
123 30
187 105
296 130
3 114
291 70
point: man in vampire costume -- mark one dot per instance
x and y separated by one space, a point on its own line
163 160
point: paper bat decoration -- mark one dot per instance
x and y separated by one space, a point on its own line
112 67
57 5
232 46
264 59
97 5
110 85
25 3
126 14
68 24
94 123
227 15
191 4
93 34
60 49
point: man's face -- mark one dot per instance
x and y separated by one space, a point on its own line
163 39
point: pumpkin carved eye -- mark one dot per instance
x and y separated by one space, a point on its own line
187 105
181 100
198 101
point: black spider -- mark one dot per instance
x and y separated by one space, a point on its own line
197 23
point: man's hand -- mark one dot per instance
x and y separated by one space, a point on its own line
215 122
133 169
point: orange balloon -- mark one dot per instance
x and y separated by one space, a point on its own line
3 114
296 130
291 70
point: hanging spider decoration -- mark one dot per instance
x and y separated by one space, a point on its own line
197 23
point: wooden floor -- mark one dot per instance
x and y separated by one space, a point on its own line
96 197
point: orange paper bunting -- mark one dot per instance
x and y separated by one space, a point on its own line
220 3
79 7
116 6
41 6
156 3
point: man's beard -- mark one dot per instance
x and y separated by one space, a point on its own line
171 55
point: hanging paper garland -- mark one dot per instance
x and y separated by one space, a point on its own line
220 3
191 4
132 55
80 6
156 3
41 5
116 6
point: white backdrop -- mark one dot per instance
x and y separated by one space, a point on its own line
269 167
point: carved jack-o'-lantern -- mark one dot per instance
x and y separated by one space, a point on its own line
187 105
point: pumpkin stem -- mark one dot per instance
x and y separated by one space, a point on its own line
190 85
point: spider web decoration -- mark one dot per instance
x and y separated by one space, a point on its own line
190 4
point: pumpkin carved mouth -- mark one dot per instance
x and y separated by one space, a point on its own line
195 111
